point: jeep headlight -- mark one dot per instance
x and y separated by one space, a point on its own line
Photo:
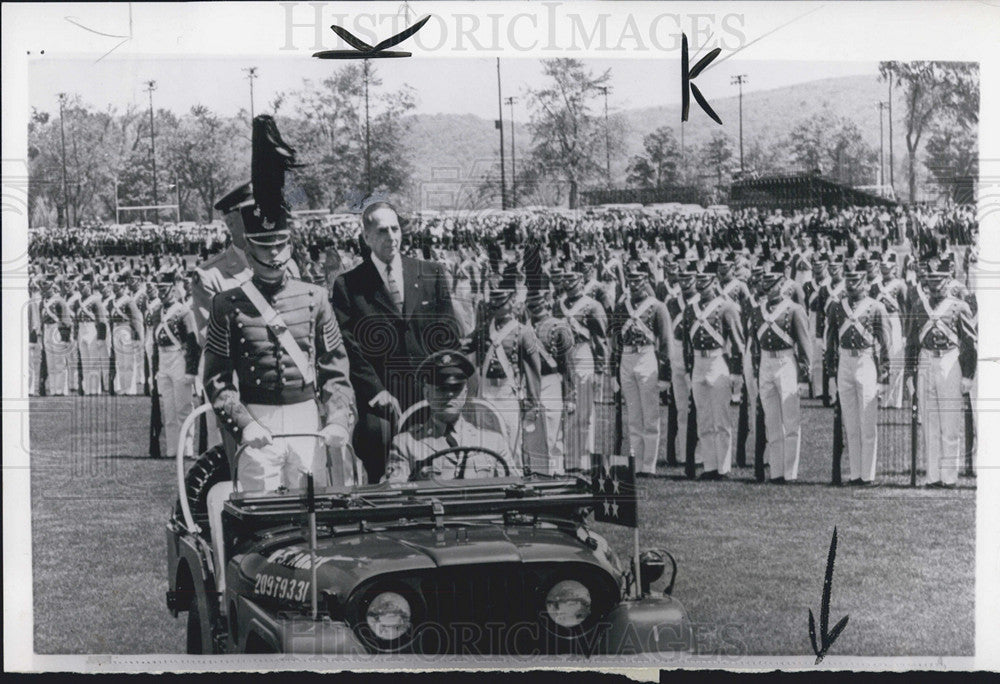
389 616
568 603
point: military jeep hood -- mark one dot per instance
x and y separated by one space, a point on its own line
348 560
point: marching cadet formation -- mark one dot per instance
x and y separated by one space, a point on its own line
581 350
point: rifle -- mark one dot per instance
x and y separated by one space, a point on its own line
838 440
692 438
970 436
672 428
760 442
742 429
43 371
155 417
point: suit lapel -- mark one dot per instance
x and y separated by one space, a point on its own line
410 285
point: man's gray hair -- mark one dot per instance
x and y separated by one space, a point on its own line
366 215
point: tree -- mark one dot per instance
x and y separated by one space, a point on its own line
834 147
953 159
930 89
567 136
717 154
208 155
658 167
329 132
763 158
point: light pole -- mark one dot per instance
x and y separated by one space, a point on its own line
368 140
499 125
150 87
892 173
607 137
513 170
62 136
251 76
739 80
882 106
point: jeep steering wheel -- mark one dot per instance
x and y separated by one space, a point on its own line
424 462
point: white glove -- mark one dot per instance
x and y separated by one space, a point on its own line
967 385
833 388
737 383
663 385
883 392
383 399
335 435
911 385
256 435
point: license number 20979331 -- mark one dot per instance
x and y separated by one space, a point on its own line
282 588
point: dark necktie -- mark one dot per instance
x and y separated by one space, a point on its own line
393 288
449 436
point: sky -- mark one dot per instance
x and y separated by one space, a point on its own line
451 86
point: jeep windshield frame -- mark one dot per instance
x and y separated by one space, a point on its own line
564 497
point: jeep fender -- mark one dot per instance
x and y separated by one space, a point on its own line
292 633
189 569
647 625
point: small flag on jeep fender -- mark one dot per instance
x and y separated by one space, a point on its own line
613 483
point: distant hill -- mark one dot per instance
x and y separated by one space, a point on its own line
464 146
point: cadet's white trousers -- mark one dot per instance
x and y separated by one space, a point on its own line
712 391
128 360
552 405
896 350
34 367
285 461
57 356
176 398
681 389
579 441
939 397
91 351
753 388
816 372
779 397
502 393
640 392
857 386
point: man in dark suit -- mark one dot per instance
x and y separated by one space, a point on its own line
394 311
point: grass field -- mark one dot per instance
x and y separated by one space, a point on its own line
751 557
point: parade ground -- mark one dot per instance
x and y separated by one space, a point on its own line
751 557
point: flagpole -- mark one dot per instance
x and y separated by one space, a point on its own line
635 530
635 551
311 497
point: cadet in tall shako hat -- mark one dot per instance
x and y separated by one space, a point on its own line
856 355
677 303
780 345
509 362
941 358
641 331
891 290
713 343
589 323
444 376
558 393
92 332
280 337
173 330
811 288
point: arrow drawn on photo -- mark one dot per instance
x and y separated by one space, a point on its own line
363 50
827 636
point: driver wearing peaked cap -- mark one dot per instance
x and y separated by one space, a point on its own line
450 424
